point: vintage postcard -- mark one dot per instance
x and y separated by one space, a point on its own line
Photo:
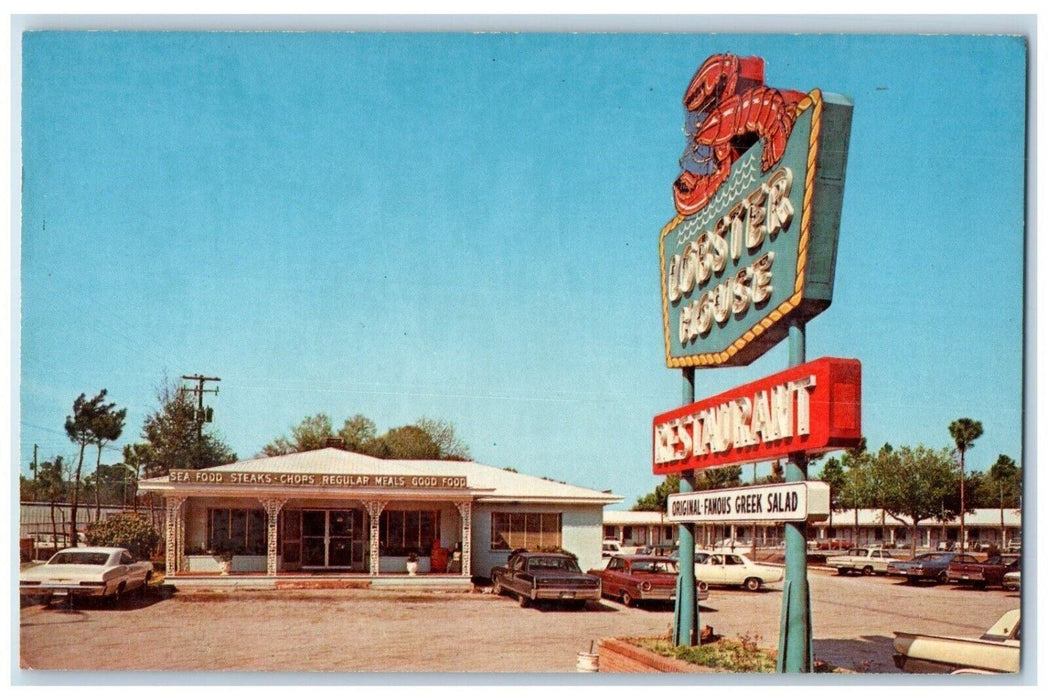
521 352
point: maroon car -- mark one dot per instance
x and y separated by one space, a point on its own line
966 569
642 578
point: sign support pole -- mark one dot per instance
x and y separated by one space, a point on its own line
686 611
795 640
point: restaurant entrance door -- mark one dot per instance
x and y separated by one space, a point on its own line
332 539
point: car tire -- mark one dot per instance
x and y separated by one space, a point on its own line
524 601
752 584
942 578
627 599
496 587
867 571
841 571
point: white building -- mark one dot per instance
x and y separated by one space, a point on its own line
332 511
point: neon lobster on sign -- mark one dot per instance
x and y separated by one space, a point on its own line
729 109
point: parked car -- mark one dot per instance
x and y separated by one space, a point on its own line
996 651
532 576
1012 581
86 572
833 544
726 569
610 548
642 578
931 565
861 559
981 574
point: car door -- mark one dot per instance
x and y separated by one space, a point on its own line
711 570
516 575
614 576
734 570
131 572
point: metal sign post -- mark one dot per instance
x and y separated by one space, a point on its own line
795 647
686 608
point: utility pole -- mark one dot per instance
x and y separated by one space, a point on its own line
34 463
201 415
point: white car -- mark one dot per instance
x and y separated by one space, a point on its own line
725 569
86 571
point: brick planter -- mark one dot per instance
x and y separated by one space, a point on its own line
621 656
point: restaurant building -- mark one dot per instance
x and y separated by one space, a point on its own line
338 512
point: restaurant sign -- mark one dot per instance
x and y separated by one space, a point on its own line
787 502
754 244
205 477
811 408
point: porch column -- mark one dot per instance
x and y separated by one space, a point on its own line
374 509
174 534
272 506
465 509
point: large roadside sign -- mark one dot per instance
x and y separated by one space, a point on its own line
786 502
760 248
812 408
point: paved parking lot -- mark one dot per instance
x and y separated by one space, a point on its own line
382 631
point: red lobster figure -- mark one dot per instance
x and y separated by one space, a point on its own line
729 109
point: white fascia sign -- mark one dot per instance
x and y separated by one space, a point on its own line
785 502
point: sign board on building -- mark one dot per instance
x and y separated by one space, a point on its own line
206 477
754 244
787 502
814 407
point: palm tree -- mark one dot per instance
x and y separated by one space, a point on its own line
964 432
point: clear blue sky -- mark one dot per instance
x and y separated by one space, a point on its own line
465 227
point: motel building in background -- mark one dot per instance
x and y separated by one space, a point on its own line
866 527
338 513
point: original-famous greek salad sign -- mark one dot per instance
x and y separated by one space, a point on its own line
788 502
812 408
754 242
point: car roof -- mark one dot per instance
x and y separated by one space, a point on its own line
92 550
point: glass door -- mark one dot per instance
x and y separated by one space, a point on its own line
314 538
292 540
340 538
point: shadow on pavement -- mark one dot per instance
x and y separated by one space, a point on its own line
868 654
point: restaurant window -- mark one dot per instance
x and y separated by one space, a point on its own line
531 531
237 530
401 532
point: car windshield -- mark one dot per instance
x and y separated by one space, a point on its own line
557 563
653 566
935 557
83 558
